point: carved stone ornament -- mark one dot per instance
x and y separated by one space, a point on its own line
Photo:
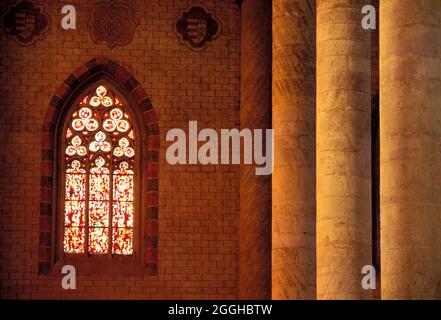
25 22
112 23
197 27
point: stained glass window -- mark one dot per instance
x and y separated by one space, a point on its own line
99 176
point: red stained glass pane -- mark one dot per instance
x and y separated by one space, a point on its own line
98 240
75 187
75 213
99 187
74 240
122 241
123 187
122 214
98 213
99 209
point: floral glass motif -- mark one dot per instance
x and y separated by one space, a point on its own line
116 121
124 149
99 177
100 143
101 98
85 120
75 147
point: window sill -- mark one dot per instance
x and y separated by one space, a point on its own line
104 265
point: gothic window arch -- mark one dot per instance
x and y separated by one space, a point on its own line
99 171
60 114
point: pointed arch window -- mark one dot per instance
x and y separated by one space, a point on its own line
99 168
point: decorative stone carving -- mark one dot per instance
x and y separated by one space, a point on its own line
112 23
197 27
25 22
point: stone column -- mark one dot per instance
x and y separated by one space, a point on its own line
255 113
343 150
410 163
293 185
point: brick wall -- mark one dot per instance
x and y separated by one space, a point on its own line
198 205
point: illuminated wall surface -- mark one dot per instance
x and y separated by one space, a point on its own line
220 149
